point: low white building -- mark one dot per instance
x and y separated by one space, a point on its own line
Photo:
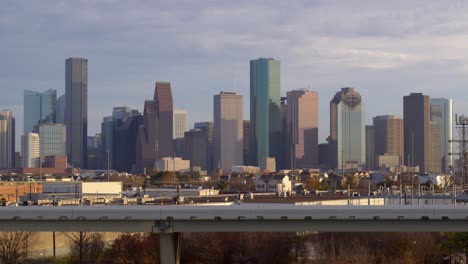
172 164
268 164
273 183
246 169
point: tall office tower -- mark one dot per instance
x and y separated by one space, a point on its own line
76 111
228 130
265 110
302 124
195 144
246 135
441 114
165 110
389 132
347 132
30 153
435 147
60 110
155 135
285 158
52 138
370 148
107 133
7 140
125 141
416 130
38 107
207 128
180 123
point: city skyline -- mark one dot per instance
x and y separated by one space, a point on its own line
374 50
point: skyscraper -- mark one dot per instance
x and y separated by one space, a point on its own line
416 130
302 124
125 141
60 110
441 114
195 148
228 130
38 107
76 110
30 152
370 148
155 135
180 123
7 140
347 130
389 132
52 140
207 128
246 148
265 109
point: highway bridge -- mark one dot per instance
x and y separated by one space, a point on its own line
171 220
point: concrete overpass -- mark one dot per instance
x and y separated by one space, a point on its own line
170 221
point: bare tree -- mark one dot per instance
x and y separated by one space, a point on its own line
14 247
86 247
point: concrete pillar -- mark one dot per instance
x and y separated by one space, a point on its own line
169 248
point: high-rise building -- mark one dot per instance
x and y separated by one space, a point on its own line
107 134
441 114
76 111
155 135
195 144
302 124
30 152
246 135
389 132
265 110
38 107
125 141
370 148
228 130
52 138
60 110
180 123
416 130
7 140
207 128
347 130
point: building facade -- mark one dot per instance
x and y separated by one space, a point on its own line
7 140
416 130
125 141
60 110
207 128
347 130
389 132
228 130
441 114
155 135
302 129
53 139
76 111
370 148
265 109
38 107
30 150
180 123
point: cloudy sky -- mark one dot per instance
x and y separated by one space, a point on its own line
385 49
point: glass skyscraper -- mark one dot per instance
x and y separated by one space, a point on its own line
38 107
441 117
52 139
76 111
347 130
265 110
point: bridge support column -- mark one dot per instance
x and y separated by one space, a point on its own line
169 248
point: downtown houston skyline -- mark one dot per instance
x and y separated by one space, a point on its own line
382 49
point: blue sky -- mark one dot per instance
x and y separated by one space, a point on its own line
385 49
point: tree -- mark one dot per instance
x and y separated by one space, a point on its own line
86 247
14 247
222 185
133 248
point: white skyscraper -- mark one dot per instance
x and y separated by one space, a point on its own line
180 123
30 150
228 130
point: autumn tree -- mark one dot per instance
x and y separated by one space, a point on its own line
86 247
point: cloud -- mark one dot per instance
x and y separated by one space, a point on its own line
383 48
